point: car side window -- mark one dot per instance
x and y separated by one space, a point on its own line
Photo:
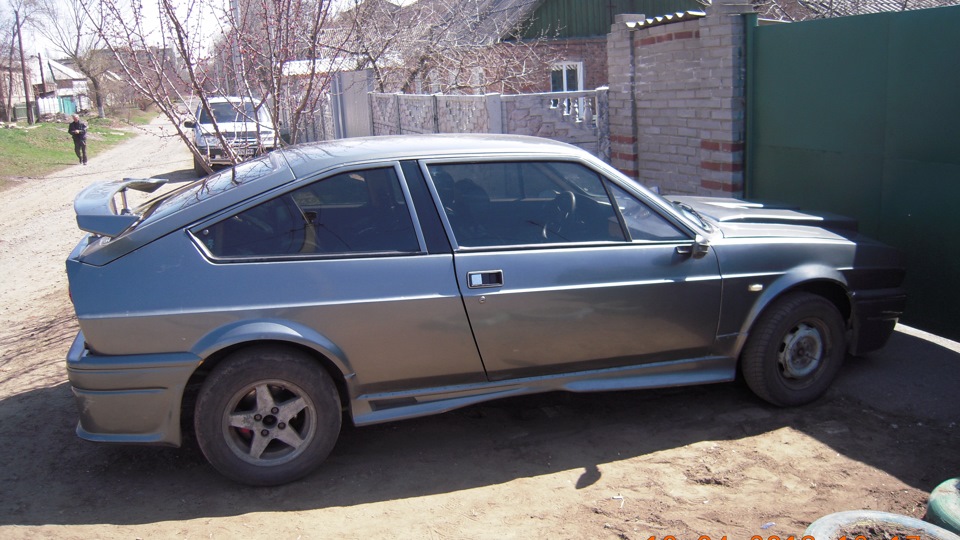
354 212
642 222
524 203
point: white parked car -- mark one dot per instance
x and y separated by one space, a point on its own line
248 129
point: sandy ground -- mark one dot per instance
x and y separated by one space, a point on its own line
708 461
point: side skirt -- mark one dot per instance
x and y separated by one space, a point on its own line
369 409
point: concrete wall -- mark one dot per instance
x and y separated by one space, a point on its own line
677 100
578 118
673 116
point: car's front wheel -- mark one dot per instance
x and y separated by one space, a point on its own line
795 350
199 167
267 416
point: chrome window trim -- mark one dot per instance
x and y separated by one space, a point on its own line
290 187
666 211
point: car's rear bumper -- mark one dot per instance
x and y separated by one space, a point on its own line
875 314
129 399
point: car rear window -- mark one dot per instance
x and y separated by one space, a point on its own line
207 187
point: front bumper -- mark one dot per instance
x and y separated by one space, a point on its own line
216 156
129 399
875 314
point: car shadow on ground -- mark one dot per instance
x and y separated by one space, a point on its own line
51 477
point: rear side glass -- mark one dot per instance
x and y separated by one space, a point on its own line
356 212
208 187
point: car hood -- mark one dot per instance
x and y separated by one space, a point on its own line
739 219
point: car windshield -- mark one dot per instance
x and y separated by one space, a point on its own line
205 188
228 111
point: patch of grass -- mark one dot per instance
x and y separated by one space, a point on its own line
40 149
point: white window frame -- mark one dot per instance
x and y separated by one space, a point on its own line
564 66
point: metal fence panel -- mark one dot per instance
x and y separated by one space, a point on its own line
860 116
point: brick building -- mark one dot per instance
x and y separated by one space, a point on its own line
677 99
570 36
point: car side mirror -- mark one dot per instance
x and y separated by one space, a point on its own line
699 247
190 124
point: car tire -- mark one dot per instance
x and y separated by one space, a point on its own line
198 167
267 416
795 350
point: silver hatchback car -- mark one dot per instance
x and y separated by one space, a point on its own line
387 278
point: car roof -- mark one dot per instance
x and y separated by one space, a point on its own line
309 157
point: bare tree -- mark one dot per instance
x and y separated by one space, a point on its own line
7 51
17 14
265 40
449 46
73 32
165 53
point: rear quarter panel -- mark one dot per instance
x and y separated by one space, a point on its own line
394 322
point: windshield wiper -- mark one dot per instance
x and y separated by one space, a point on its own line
693 213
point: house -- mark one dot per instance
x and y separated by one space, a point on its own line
802 10
12 103
575 34
61 89
490 46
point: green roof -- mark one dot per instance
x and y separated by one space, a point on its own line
588 18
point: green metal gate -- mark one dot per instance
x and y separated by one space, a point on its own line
67 106
861 116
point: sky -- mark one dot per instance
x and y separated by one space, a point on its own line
34 42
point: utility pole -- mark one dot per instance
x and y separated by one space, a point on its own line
23 69
43 78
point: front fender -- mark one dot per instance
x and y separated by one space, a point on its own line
814 276
253 331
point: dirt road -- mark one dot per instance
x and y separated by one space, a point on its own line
690 462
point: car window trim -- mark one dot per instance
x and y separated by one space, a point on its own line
665 212
290 187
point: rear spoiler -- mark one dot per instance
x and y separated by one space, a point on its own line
97 210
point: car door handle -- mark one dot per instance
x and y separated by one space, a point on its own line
485 279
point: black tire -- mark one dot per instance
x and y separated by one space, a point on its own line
198 167
286 416
795 350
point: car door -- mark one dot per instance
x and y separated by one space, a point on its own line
556 278
343 260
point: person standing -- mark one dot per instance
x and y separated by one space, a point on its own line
78 130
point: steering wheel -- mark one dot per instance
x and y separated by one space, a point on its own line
558 213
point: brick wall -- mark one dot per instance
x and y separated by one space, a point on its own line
677 100
673 116
591 51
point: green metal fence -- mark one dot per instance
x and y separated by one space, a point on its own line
861 116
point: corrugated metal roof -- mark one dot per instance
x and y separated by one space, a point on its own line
799 10
666 19
592 18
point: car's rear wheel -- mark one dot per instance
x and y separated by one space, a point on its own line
267 416
795 350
